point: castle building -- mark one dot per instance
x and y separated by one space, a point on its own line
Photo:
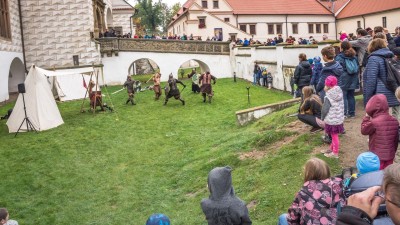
51 33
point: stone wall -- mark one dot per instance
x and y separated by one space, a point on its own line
55 30
122 20
13 45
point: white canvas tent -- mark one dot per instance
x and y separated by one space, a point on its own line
40 104
41 108
68 84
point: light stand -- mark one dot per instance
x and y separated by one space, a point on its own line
234 77
29 125
248 95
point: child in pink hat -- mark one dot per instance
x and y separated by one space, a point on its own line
333 114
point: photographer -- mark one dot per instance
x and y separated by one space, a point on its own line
362 207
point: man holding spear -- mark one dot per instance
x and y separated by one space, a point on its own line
156 87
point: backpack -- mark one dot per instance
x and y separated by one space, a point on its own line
351 66
393 74
365 59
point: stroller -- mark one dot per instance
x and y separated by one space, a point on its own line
355 185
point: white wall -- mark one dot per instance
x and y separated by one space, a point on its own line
372 20
277 59
5 63
116 67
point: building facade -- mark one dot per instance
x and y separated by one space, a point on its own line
369 13
55 32
258 19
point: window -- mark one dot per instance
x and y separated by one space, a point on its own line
204 4
215 4
271 29
5 29
243 27
226 20
358 24
253 29
318 28
311 28
326 28
202 23
384 22
295 28
279 28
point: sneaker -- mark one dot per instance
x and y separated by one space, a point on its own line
326 151
331 155
326 139
315 129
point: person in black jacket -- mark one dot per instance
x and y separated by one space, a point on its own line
310 109
362 208
303 72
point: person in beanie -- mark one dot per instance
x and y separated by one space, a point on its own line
382 129
367 162
131 91
223 207
333 114
158 219
316 71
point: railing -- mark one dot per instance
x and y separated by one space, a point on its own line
114 45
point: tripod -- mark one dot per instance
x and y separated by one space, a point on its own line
29 124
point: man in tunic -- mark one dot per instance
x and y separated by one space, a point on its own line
131 91
195 81
156 87
173 90
206 89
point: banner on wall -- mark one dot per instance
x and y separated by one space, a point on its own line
218 34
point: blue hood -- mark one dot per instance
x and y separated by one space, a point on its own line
383 52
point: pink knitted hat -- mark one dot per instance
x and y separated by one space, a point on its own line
331 81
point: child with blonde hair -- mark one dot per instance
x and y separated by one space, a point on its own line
320 193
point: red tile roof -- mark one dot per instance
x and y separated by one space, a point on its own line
363 7
279 7
338 4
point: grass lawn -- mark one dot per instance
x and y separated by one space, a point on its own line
119 168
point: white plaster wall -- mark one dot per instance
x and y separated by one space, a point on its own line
5 63
291 57
116 67
262 22
223 6
266 54
372 20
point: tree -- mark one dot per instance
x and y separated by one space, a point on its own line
150 14
172 12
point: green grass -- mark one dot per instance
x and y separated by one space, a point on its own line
119 168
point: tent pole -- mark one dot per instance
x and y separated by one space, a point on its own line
87 91
95 95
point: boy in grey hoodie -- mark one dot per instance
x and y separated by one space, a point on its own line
223 207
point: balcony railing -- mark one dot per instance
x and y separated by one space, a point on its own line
114 45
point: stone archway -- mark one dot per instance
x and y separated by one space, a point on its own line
109 19
16 75
188 65
98 14
143 66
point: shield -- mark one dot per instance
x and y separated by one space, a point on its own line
166 89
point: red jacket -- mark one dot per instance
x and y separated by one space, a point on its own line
381 127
